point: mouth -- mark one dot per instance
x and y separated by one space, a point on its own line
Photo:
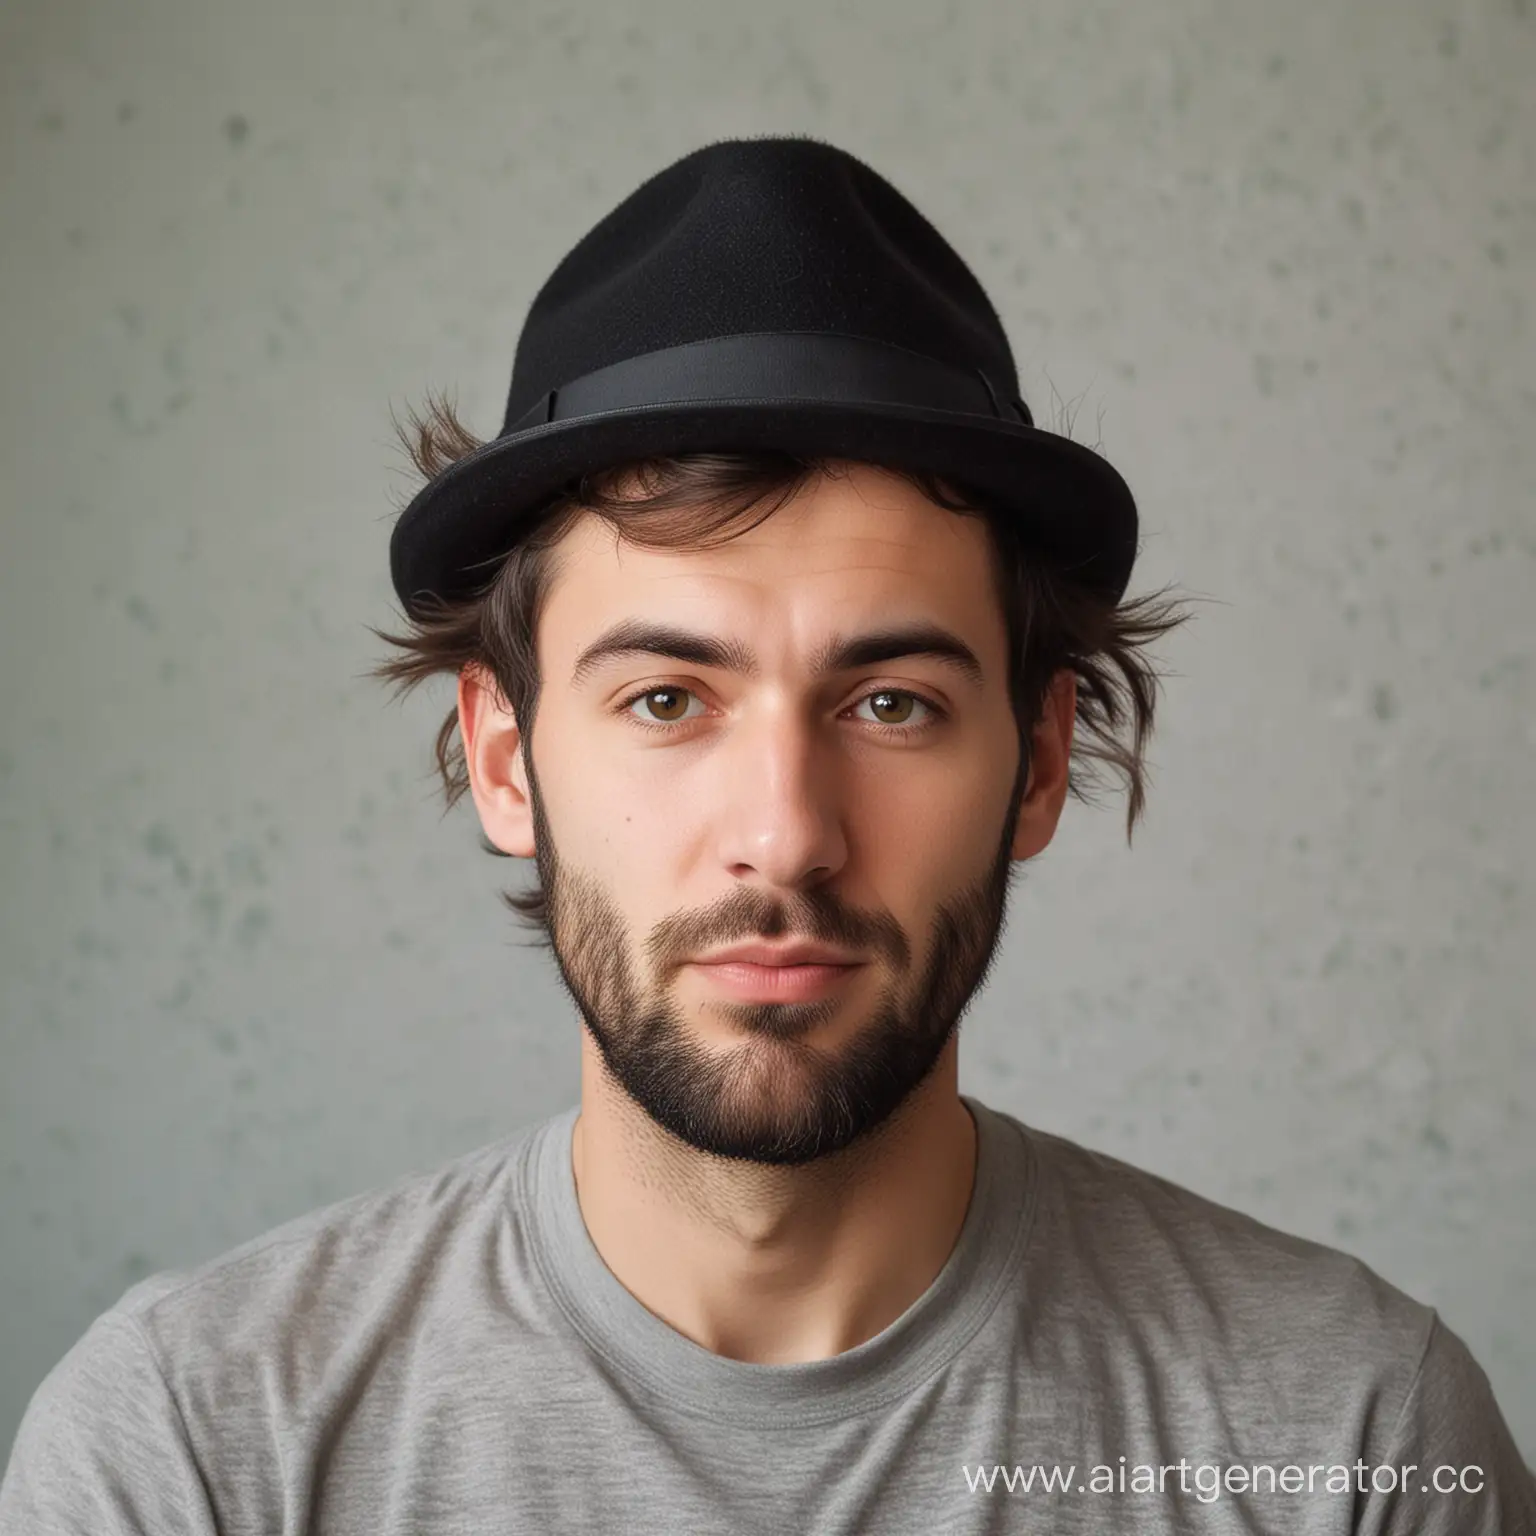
775 983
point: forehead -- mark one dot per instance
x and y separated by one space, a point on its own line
859 546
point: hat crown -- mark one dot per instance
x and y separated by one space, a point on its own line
745 235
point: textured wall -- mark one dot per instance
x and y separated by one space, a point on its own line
1279 257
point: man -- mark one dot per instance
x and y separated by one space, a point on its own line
774 1273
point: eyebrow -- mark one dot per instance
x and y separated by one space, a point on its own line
642 637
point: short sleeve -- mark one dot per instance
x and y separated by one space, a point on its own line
1467 1477
102 1450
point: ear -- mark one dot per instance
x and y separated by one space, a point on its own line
493 755
1046 790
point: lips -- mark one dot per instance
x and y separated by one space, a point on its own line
778 955
751 982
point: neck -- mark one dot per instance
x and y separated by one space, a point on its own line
775 1264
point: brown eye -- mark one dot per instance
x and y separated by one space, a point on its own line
902 707
678 696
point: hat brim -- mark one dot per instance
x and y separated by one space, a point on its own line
1072 502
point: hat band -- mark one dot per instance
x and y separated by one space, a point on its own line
776 365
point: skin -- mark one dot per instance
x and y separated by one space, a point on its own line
776 1181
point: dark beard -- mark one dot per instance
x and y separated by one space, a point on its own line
773 1099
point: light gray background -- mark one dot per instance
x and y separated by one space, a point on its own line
1280 258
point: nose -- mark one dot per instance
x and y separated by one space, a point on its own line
784 802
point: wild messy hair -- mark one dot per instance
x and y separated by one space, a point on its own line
701 500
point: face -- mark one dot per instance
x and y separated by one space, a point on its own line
821 748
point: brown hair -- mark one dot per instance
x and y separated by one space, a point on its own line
703 499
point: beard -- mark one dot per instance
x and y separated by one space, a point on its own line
775 1098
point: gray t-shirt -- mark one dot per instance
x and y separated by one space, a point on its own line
449 1356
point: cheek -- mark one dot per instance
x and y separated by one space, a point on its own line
948 799
631 835
941 834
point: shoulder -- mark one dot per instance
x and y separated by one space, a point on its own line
177 1399
346 1243
1195 1255
294 1294
1205 1293
101 1447
258 1330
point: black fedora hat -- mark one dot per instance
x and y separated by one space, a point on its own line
770 292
